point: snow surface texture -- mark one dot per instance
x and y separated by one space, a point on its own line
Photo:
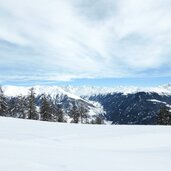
27 145
76 92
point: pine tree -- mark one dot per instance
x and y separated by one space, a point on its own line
22 107
164 116
98 120
3 103
45 109
75 114
17 107
59 114
13 107
83 114
32 113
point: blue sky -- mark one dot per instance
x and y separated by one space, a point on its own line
92 42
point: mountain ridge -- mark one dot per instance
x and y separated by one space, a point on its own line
77 91
120 105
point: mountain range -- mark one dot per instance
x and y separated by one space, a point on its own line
118 105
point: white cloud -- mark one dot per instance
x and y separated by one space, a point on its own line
65 39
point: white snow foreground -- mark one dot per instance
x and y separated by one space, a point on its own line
27 145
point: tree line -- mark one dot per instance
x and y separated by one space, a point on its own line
46 109
164 116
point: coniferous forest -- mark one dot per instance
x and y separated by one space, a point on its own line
44 108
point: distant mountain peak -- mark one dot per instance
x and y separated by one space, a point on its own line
76 92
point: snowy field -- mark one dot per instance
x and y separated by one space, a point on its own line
41 146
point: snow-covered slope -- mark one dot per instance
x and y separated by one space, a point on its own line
41 146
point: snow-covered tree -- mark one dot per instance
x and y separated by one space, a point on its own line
31 100
3 103
59 113
17 107
164 116
45 109
83 114
74 114
98 119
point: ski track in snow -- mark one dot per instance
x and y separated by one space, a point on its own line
34 145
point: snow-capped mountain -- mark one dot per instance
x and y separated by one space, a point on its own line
50 90
59 95
76 92
92 90
121 105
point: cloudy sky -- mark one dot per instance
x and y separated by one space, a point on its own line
49 41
